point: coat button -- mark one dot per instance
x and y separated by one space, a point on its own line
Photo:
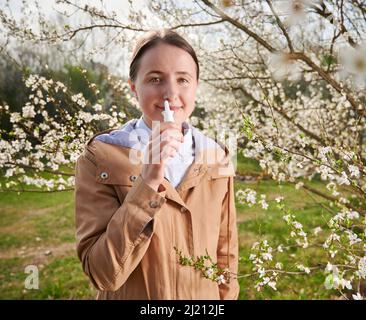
104 175
183 209
153 204
133 178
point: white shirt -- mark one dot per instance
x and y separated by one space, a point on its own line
176 167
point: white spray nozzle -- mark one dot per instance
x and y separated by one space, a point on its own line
167 113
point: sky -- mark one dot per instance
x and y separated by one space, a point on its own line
48 5
115 58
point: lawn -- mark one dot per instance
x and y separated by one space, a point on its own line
38 229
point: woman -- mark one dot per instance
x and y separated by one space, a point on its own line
132 212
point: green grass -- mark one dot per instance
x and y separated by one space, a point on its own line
59 278
46 216
247 166
33 223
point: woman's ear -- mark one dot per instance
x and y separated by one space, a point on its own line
133 87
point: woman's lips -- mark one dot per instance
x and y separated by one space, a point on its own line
173 108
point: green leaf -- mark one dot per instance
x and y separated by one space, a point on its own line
328 60
329 282
247 128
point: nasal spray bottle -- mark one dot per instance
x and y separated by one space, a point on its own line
167 113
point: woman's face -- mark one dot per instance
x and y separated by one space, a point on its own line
166 72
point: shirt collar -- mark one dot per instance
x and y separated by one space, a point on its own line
188 139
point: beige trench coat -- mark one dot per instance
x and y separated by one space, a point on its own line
126 232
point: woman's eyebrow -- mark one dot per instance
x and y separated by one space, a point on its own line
184 73
178 72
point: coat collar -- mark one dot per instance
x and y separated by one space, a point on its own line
119 155
128 136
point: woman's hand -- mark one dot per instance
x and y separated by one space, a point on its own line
164 144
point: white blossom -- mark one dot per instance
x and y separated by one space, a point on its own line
28 111
357 296
361 272
353 61
355 172
282 67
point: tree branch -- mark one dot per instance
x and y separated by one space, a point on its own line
326 76
44 170
197 24
281 26
334 199
325 13
239 25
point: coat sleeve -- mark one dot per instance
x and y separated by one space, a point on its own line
227 250
111 238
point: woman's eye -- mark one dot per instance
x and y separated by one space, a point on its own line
155 80
183 80
159 80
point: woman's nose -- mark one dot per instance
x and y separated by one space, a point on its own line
170 91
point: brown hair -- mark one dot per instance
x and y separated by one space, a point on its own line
153 38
